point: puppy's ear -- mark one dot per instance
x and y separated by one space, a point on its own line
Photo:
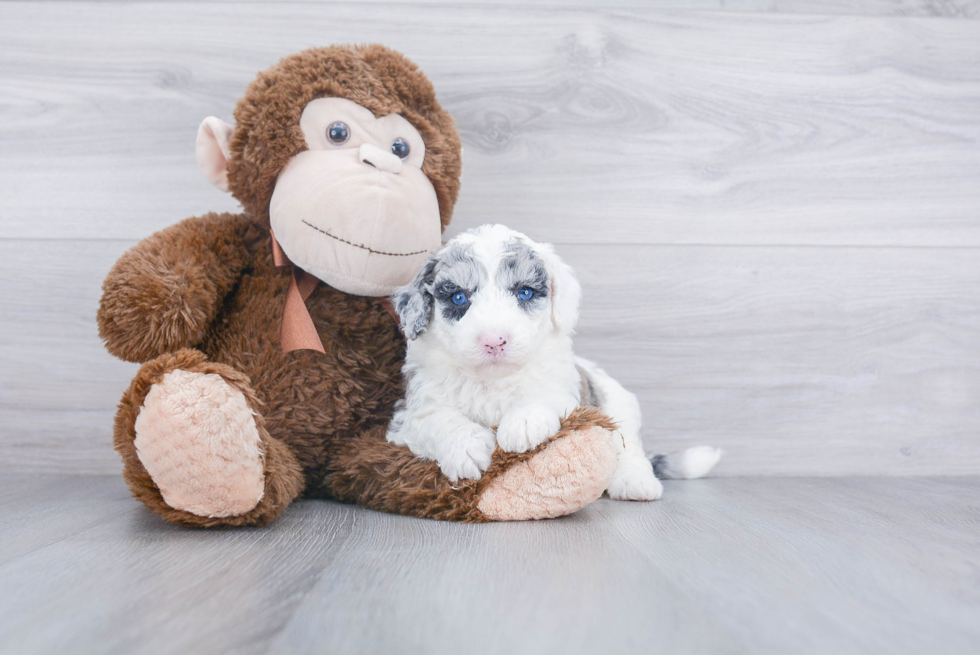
565 289
414 301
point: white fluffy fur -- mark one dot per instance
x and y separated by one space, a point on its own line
504 365
691 463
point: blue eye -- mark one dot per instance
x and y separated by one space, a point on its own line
459 298
338 133
525 293
400 148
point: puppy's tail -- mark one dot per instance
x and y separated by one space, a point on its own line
686 464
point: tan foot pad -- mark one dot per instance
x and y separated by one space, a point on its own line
197 438
563 478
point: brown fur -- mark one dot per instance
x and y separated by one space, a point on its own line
267 132
204 295
165 293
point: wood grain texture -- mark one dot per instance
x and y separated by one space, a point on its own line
846 360
847 565
666 126
58 386
922 8
806 361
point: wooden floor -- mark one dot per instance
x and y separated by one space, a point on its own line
805 565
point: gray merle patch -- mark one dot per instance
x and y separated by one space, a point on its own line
413 302
520 268
457 270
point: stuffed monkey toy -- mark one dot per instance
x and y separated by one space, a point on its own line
271 362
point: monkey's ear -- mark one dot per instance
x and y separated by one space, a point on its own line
414 301
213 150
566 292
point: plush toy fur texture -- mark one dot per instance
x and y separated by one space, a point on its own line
267 132
180 422
204 297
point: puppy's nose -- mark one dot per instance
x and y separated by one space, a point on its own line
383 161
494 343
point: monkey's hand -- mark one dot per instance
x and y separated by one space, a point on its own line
164 293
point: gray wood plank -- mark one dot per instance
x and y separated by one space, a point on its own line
845 565
934 8
58 386
569 586
843 360
134 584
669 126
807 361
821 566
39 510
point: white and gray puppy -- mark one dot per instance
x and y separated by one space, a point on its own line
489 322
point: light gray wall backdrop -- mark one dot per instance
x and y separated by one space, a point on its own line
774 207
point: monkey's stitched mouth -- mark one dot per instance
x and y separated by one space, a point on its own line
370 250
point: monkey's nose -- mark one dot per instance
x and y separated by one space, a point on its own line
383 161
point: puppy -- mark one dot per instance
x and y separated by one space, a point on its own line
489 322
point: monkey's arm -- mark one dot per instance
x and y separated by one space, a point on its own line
166 290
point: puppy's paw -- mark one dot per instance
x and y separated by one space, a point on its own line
520 431
467 453
635 481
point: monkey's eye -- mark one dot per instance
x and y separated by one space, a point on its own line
400 148
459 298
338 133
525 293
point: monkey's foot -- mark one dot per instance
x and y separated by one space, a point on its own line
195 450
197 438
562 477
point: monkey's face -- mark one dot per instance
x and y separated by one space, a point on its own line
341 183
355 208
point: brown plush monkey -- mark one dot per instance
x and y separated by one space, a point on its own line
346 155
